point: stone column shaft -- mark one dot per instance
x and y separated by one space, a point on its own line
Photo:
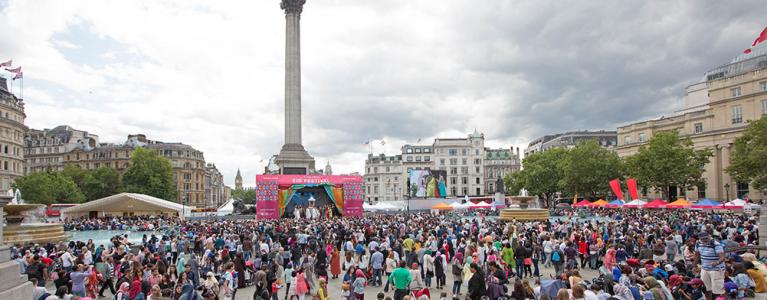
292 79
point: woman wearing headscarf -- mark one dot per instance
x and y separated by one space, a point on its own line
654 287
622 292
609 260
477 287
188 293
123 292
335 263
457 270
210 285
358 286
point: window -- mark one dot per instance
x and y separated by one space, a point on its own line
476 169
742 191
764 107
452 152
737 114
409 150
476 151
375 189
698 127
375 179
641 137
427 158
627 140
702 191
409 158
463 152
763 85
464 161
442 161
426 150
453 180
465 180
477 181
417 150
452 191
479 192
464 170
453 171
477 161
465 190
388 169
418 158
454 161
735 92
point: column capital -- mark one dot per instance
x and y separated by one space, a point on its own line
292 6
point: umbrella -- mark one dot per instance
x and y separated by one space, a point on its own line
679 203
442 206
707 203
635 203
616 203
600 202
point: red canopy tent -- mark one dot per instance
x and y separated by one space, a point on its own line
583 203
657 203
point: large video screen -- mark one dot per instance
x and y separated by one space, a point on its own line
427 183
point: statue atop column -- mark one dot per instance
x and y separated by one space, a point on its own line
292 6
499 188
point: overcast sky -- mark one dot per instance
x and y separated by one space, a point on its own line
210 73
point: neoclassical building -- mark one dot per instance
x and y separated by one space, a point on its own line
46 149
12 131
716 112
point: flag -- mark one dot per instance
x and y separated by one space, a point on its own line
7 63
761 38
615 185
419 140
383 142
18 75
632 184
16 70
366 143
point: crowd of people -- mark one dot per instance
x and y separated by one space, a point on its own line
629 254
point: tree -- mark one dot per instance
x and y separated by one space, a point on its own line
513 182
77 175
247 195
542 173
102 182
48 187
668 160
150 174
588 168
748 162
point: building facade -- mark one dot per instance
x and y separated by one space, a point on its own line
498 164
12 131
735 94
463 160
383 178
45 149
607 139
214 186
188 164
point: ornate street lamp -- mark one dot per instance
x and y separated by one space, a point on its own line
727 190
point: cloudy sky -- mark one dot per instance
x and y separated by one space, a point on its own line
210 73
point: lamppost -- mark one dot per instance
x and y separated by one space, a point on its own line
727 190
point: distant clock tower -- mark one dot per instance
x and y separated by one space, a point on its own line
238 181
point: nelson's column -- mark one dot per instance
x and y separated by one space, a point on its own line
293 158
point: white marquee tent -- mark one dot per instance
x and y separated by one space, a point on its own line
124 204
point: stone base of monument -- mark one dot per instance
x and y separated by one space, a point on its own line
12 285
522 214
33 233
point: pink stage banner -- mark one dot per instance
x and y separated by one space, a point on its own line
285 180
632 184
353 199
266 210
616 187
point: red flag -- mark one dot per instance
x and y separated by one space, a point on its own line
18 75
616 186
761 38
7 63
632 184
16 70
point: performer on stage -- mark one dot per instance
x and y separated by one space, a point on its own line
297 212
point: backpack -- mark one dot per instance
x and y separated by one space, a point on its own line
555 257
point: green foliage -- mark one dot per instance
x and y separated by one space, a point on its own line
748 162
588 168
247 195
150 174
668 160
542 173
48 187
514 183
102 182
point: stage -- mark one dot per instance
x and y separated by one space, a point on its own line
278 196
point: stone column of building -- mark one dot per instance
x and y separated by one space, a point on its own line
293 158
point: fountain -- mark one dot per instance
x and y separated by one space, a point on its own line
12 286
520 210
24 226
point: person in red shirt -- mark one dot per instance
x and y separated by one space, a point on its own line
583 250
